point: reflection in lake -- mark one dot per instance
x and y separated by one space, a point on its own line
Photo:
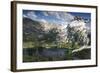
53 54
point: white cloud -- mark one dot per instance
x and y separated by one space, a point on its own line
45 13
43 20
66 16
63 16
31 15
24 15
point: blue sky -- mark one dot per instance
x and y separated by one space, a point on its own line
83 15
54 16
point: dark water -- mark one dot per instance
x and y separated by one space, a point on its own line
53 54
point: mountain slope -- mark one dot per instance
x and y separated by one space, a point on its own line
31 29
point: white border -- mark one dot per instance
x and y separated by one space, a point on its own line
21 65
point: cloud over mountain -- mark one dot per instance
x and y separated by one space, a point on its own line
50 16
58 18
62 16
